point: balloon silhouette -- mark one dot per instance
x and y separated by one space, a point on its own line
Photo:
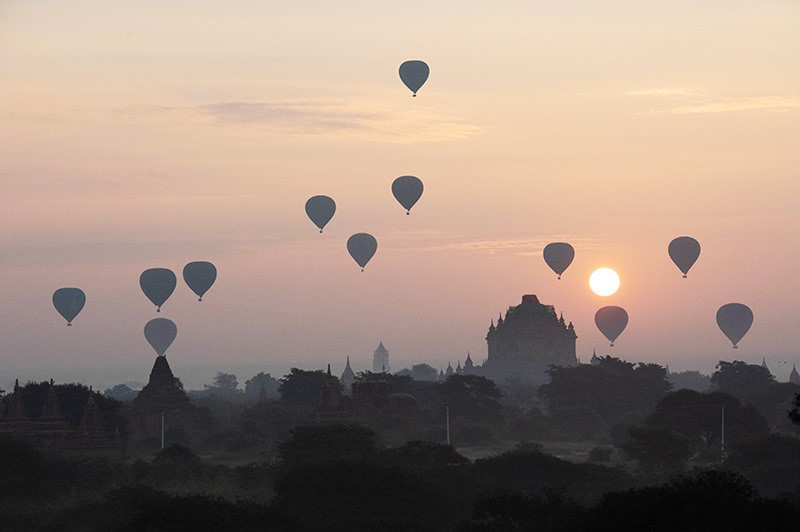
414 74
611 321
160 333
199 276
684 251
320 209
558 255
734 320
158 284
407 190
362 246
69 302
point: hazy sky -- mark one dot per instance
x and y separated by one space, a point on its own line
150 134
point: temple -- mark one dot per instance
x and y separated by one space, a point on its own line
524 344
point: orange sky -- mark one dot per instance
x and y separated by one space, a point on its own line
151 136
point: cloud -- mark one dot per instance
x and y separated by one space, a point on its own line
699 102
365 119
669 92
762 103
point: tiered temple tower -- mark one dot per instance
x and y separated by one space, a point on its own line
527 341
380 360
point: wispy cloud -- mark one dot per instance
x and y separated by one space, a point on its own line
763 103
694 101
670 92
365 119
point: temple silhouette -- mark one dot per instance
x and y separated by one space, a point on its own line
524 343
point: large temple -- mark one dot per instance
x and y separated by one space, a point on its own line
528 340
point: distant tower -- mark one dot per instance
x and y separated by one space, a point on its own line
449 370
594 360
764 364
459 371
794 377
469 367
380 360
348 376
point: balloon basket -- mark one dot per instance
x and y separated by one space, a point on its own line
199 298
69 325
158 309
684 276
320 231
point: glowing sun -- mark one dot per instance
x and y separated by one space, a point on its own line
604 281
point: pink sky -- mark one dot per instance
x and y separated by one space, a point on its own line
151 136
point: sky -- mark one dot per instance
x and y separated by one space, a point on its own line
152 134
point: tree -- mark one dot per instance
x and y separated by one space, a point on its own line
471 395
741 379
657 448
312 444
252 386
615 389
698 416
794 413
690 380
424 372
398 383
224 382
121 392
302 387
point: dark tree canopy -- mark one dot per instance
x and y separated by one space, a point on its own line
302 387
698 417
740 378
252 386
311 444
614 389
471 395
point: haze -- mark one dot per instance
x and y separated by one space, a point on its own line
147 135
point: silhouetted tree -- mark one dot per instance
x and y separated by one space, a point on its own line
698 416
794 413
302 387
657 448
121 392
741 379
252 386
709 500
516 512
471 396
398 383
424 372
614 389
313 444
690 380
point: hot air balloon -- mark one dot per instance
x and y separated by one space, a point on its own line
684 251
160 333
362 246
558 255
199 275
414 74
69 302
734 320
320 209
611 321
407 190
158 284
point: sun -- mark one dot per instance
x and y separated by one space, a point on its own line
604 281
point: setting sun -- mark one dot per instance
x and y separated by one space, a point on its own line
604 281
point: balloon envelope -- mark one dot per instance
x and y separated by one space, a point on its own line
558 255
407 190
684 251
160 333
320 209
158 284
362 246
69 302
611 321
734 320
199 276
414 74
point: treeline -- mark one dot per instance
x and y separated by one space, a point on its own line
340 478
